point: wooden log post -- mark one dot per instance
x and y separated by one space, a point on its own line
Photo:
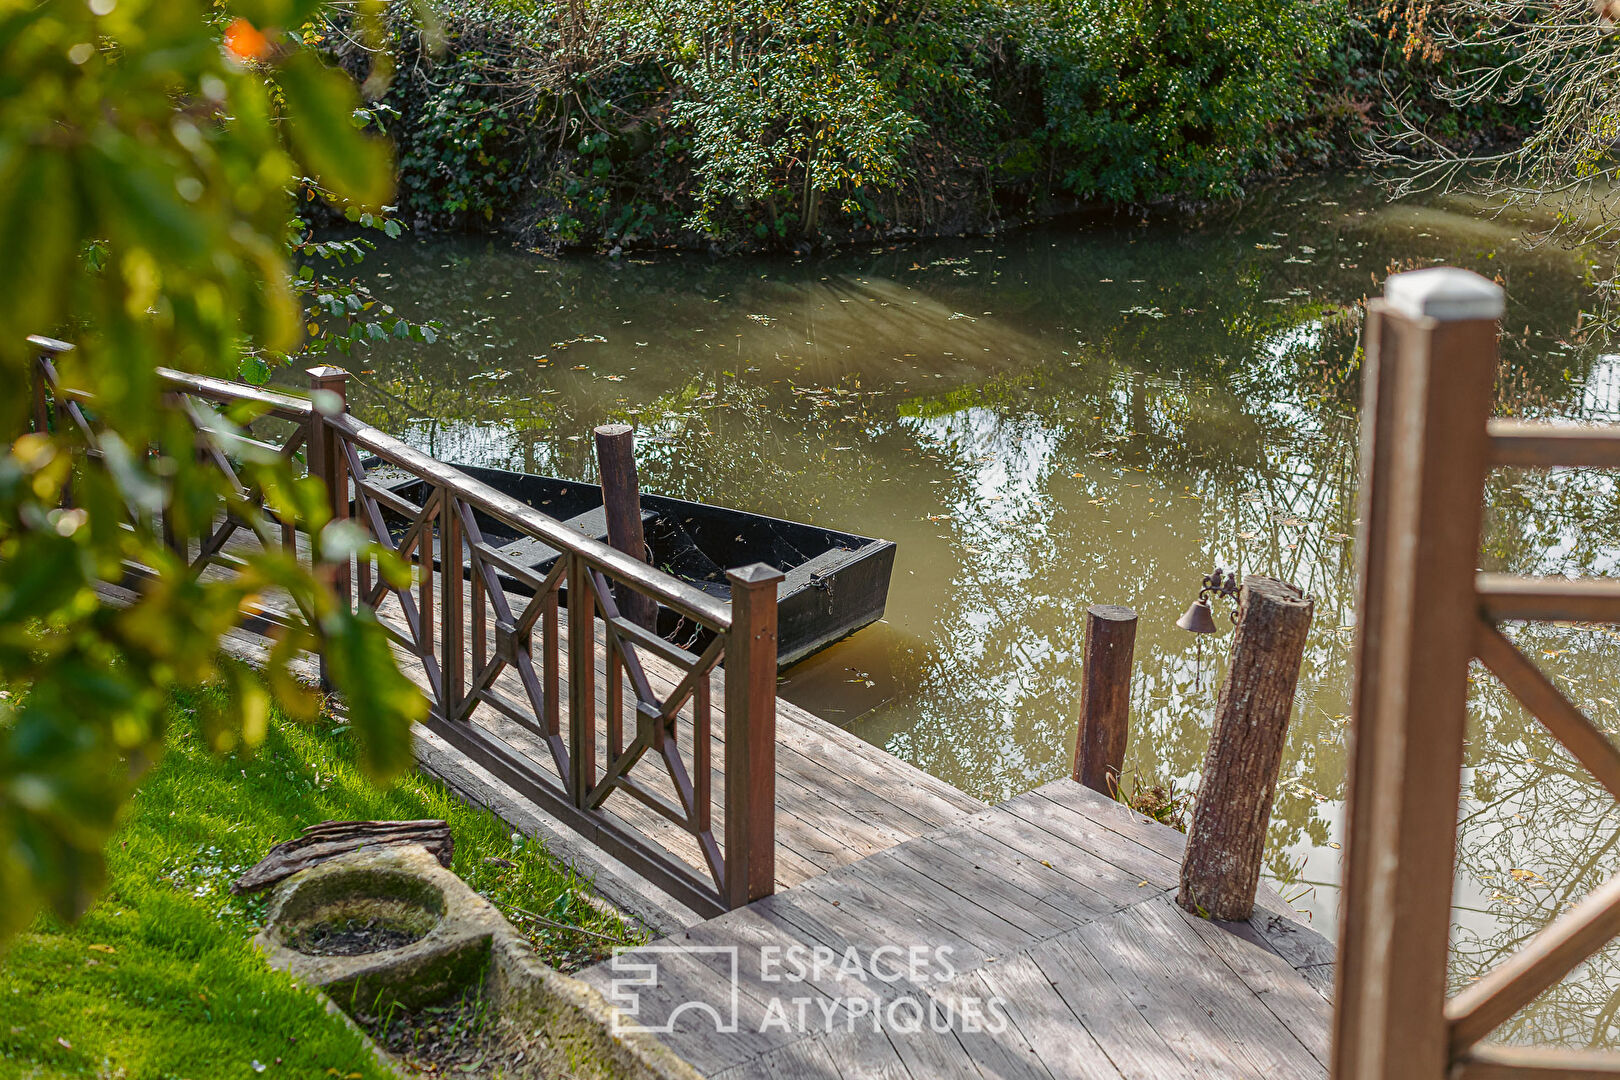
751 736
1221 868
1427 391
328 387
621 503
1105 697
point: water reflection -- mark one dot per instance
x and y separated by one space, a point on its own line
1049 420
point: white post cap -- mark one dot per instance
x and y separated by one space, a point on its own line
1444 293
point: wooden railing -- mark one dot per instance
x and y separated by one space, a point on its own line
528 681
1424 615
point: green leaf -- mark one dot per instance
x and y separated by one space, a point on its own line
320 106
382 702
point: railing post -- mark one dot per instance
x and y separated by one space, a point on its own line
581 679
1105 697
451 617
328 387
1427 384
48 349
751 736
1220 869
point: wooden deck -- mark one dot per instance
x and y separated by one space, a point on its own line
944 938
1053 913
838 798
1059 904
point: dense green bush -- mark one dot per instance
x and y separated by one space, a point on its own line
773 121
1150 100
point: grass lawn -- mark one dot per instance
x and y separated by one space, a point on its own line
159 979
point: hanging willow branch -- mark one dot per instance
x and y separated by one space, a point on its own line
1561 54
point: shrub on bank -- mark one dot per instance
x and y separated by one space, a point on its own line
777 122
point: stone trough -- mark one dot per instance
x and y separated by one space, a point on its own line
388 925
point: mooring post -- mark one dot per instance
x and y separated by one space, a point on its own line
1221 868
621 502
751 736
328 391
1105 697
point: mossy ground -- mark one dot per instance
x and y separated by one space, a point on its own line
159 978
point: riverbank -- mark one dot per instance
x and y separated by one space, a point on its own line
745 127
160 978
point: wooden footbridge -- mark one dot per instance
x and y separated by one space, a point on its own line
830 911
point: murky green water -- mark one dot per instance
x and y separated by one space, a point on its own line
1046 420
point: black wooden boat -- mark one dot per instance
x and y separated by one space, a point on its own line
836 582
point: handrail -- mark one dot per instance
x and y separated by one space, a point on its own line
669 590
285 406
1540 444
488 659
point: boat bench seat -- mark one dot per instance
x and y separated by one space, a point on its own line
536 555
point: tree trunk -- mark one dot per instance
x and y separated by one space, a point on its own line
1221 869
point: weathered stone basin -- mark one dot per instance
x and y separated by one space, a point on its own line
411 932
380 926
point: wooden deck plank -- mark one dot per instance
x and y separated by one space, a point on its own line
934 1055
1084 831
807 1059
867 910
1106 1014
1273 981
864 1054
1046 1022
992 1041
967 923
1248 1025
1114 816
681 979
1092 878
1155 983
976 847
987 888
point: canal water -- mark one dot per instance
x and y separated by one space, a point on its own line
1068 415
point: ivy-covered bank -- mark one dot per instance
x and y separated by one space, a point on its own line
761 123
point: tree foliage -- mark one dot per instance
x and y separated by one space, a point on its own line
145 171
620 121
1554 62
1148 100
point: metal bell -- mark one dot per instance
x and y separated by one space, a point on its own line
1199 618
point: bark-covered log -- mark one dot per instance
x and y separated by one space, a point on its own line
1221 868
1105 697
330 838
